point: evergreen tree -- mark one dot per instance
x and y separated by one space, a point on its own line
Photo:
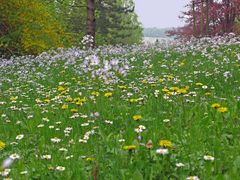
117 22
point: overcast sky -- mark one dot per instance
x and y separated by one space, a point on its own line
160 13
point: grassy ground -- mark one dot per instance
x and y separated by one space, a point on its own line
152 115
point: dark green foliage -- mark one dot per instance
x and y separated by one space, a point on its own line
117 23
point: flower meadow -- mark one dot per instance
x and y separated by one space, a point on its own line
166 111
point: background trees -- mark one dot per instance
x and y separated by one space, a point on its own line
209 17
31 27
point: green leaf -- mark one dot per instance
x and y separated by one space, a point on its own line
237 162
137 175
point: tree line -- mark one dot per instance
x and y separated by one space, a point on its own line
209 18
31 27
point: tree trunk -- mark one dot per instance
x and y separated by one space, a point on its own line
227 14
202 18
207 17
194 18
91 22
232 15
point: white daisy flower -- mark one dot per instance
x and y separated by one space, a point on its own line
208 158
60 168
192 178
47 157
23 172
162 151
19 137
55 140
14 156
180 164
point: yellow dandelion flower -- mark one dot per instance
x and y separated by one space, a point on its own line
216 105
122 87
50 168
182 91
199 84
108 94
73 79
13 98
222 109
144 81
79 103
165 90
129 147
133 100
74 110
65 106
165 143
90 159
95 93
2 145
182 64
161 80
170 77
137 117
69 99
170 93
76 99
61 88
174 88
63 92
46 101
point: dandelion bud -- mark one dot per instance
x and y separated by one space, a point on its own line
149 145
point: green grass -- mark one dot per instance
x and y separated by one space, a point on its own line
195 128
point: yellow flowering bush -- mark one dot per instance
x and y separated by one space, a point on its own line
31 27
